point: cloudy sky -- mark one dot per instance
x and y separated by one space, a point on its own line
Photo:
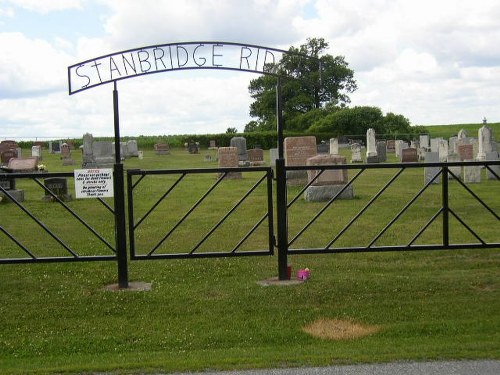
435 62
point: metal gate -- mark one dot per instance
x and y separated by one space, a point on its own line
195 213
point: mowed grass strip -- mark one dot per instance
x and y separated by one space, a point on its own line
212 313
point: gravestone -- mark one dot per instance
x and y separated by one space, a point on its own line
66 155
465 152
8 150
132 149
462 139
6 155
8 190
356 153
59 187
391 145
103 154
456 170
87 153
472 174
485 145
162 148
443 150
371 146
328 184
435 144
23 165
409 155
424 142
399 146
382 151
296 152
452 145
241 145
36 151
430 172
228 158
55 147
212 145
323 148
334 146
273 155
256 156
492 156
192 147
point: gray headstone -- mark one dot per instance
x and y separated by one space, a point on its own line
58 186
241 144
430 172
356 153
132 148
472 174
273 155
382 151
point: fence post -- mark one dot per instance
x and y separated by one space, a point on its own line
281 200
446 226
119 201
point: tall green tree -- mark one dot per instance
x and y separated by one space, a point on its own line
318 81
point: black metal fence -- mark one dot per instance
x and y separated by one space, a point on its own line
196 213
39 225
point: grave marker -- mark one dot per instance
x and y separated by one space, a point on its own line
228 158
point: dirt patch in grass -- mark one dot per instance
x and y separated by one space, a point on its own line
336 329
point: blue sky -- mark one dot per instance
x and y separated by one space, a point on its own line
435 62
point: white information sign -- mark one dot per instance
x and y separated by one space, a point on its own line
93 183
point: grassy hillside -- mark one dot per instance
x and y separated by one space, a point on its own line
447 131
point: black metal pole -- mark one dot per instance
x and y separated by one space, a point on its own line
446 226
281 199
119 199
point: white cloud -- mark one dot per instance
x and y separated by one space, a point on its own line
30 66
432 61
47 6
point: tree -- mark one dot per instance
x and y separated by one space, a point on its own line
231 131
305 91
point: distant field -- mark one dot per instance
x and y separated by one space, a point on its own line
447 131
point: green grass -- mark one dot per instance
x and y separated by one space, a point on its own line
212 314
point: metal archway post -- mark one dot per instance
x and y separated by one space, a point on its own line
119 200
281 197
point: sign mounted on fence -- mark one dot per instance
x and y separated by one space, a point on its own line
174 56
93 183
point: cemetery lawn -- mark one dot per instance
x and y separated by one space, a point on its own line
212 313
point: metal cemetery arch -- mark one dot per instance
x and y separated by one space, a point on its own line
182 56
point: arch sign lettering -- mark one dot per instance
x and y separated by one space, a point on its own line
174 56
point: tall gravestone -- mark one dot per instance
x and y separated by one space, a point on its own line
371 146
241 145
356 153
36 151
273 155
485 137
87 153
443 150
382 151
334 146
424 141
